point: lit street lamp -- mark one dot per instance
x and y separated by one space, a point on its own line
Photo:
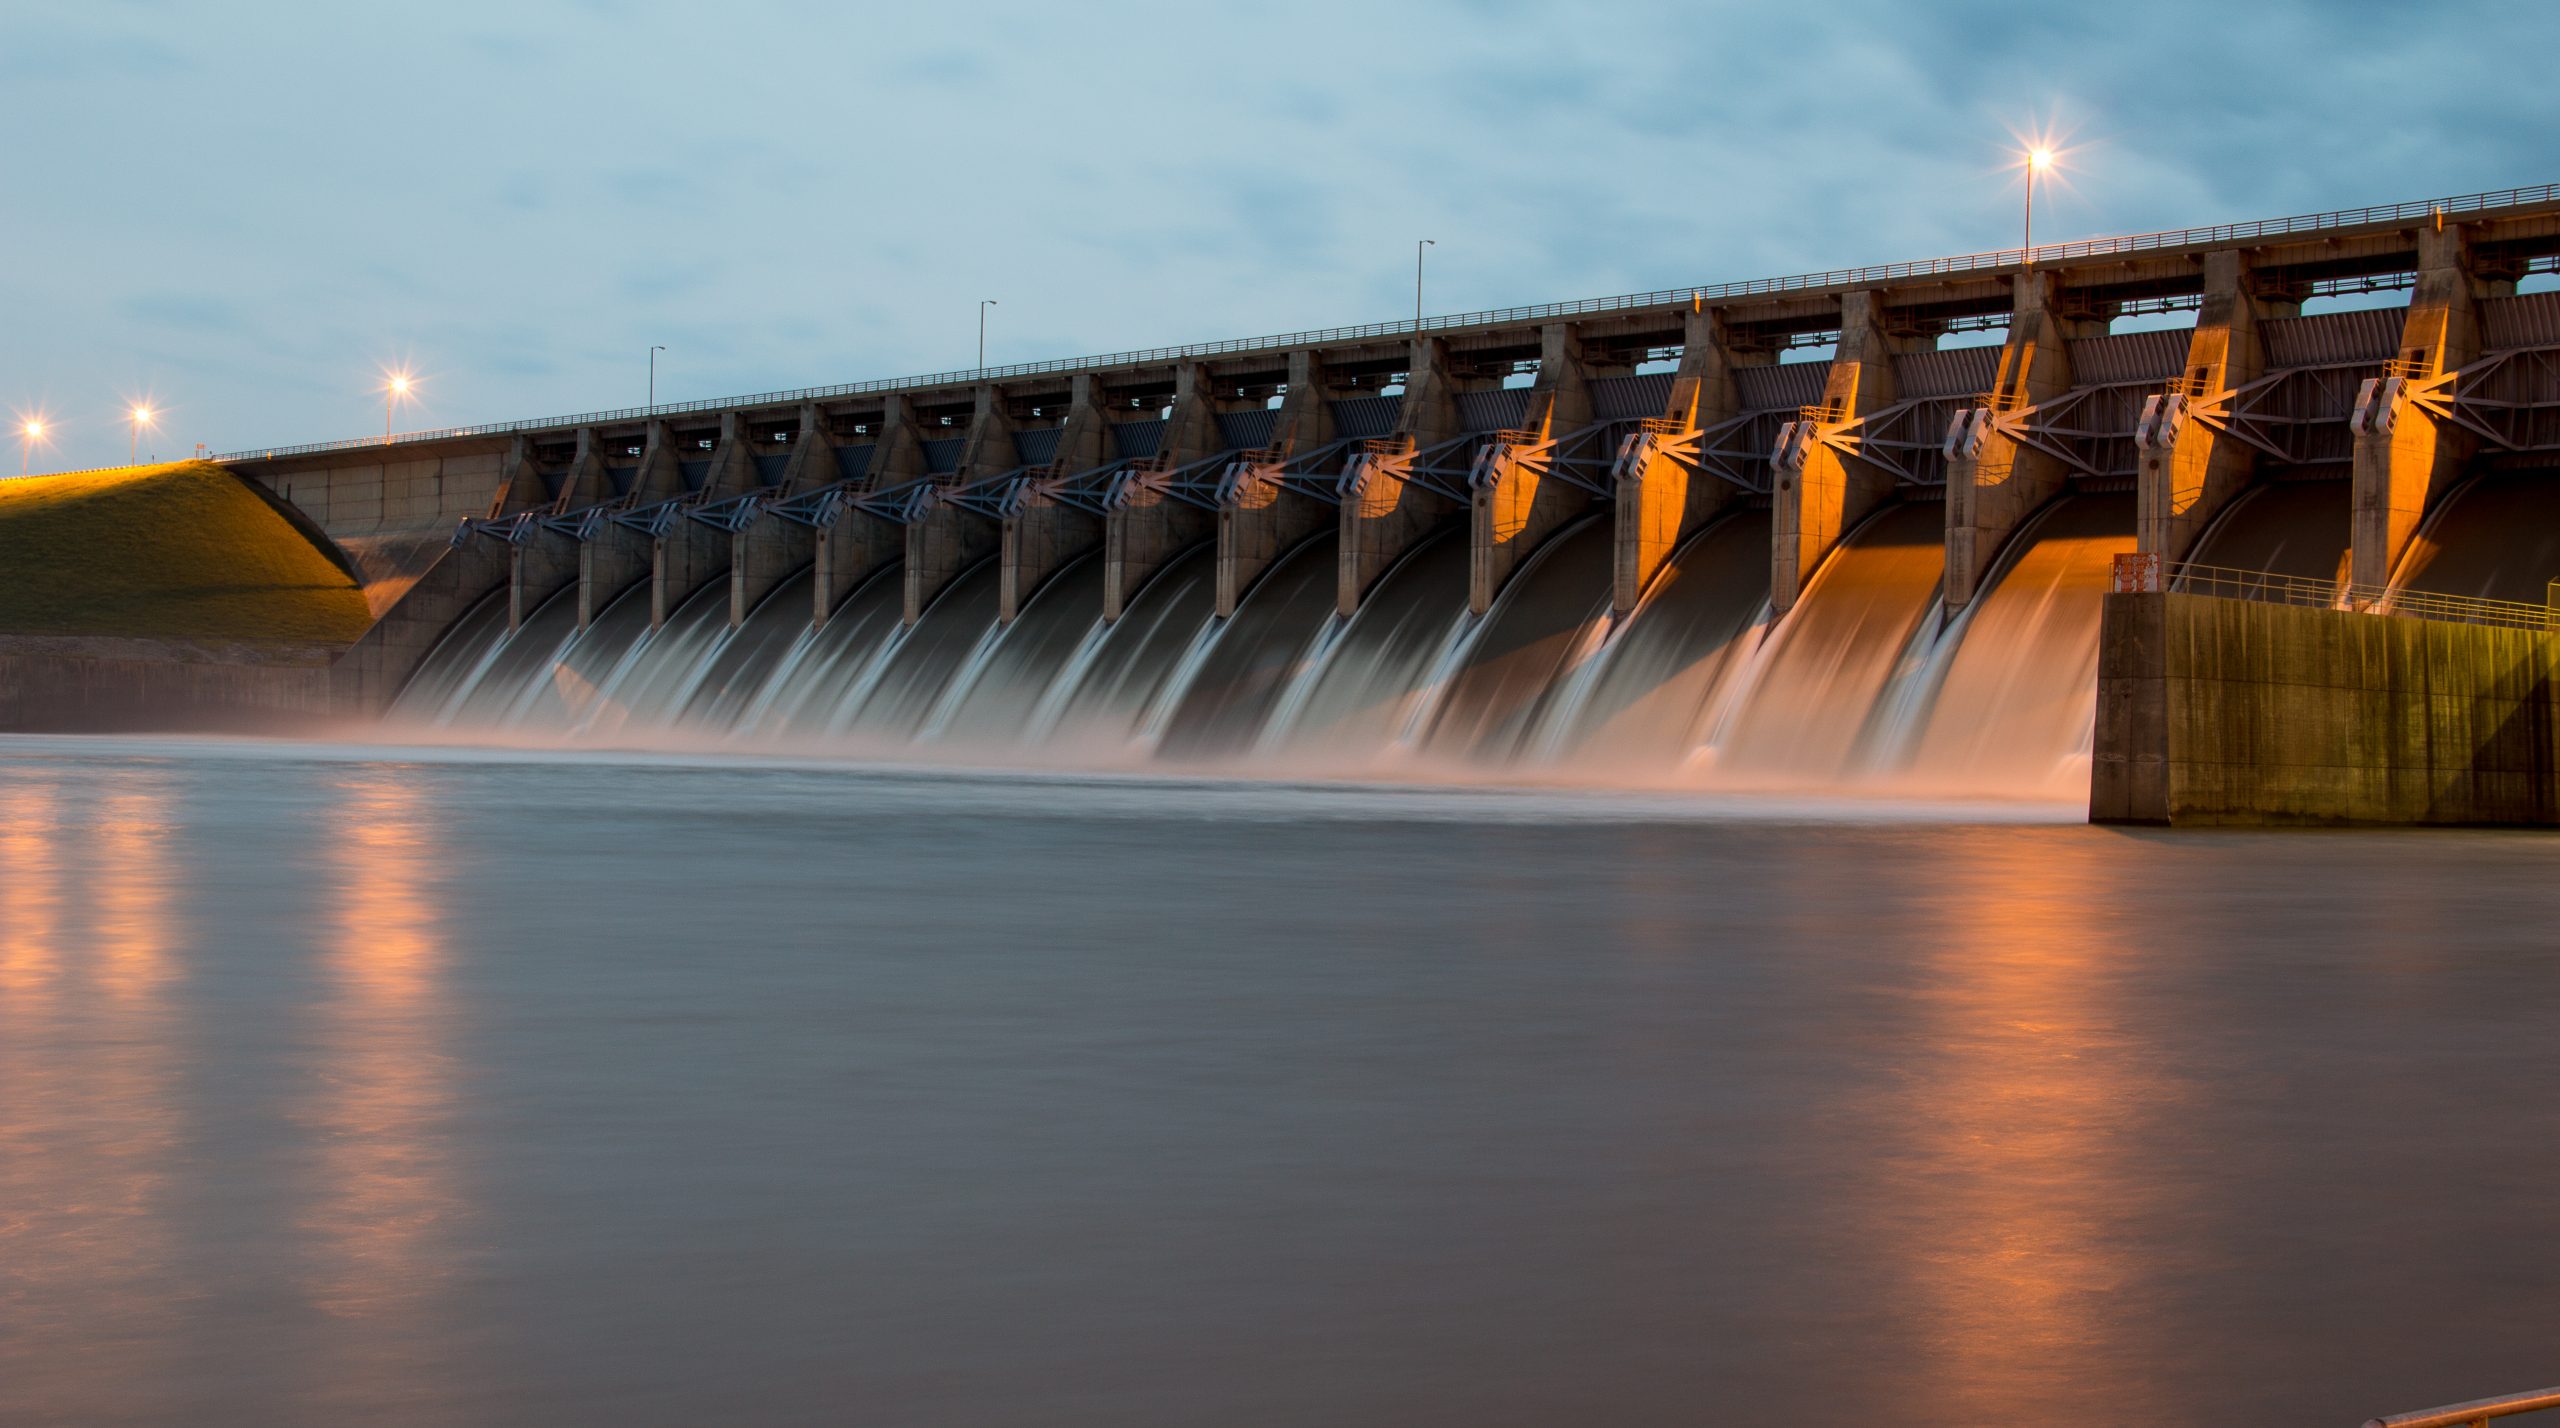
30 431
141 416
394 392
2039 159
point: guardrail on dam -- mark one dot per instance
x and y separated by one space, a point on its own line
1662 414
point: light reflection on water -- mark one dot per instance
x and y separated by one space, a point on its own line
380 1085
2020 1114
364 1085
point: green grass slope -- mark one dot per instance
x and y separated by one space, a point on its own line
185 551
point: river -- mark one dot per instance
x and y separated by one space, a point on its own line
365 1084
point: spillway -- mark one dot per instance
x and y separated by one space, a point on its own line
2496 537
1866 683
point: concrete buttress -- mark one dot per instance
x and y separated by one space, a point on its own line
1993 490
1389 513
1512 513
1150 528
1043 533
2406 456
1662 501
2187 471
1260 521
1814 504
944 539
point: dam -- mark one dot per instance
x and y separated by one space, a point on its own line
1853 529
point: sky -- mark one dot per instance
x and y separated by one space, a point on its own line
247 213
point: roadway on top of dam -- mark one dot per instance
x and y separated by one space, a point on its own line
2339 222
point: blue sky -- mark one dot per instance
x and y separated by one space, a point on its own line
249 210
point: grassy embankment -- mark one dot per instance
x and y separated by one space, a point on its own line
184 551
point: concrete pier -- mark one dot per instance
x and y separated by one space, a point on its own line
1044 533
1662 501
1995 484
944 539
2189 470
1261 520
689 556
2405 454
1511 514
540 565
1149 528
611 560
1389 512
1824 491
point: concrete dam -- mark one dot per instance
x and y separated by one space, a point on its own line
1851 529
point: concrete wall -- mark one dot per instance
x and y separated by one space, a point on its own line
362 493
88 686
2229 711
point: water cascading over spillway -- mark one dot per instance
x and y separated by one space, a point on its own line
1866 683
2011 711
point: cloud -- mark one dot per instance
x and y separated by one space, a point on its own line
268 204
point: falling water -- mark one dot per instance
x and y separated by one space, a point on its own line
2020 684
1864 683
832 672
1824 669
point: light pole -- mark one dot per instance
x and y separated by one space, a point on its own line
1417 279
2039 159
983 305
394 392
30 432
142 416
653 378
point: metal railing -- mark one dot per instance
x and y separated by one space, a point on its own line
2138 573
2469 1415
1667 297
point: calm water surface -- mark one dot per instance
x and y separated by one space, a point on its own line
344 1085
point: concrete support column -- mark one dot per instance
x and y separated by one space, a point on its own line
586 484
2405 457
659 478
520 485
611 560
1514 511
1389 514
1660 501
946 539
856 547
689 556
1991 492
813 453
733 467
897 457
1262 521
1813 504
1042 535
762 554
2188 471
1151 528
540 566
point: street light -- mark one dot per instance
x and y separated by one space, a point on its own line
983 305
141 416
394 391
30 431
1417 279
2039 159
653 379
